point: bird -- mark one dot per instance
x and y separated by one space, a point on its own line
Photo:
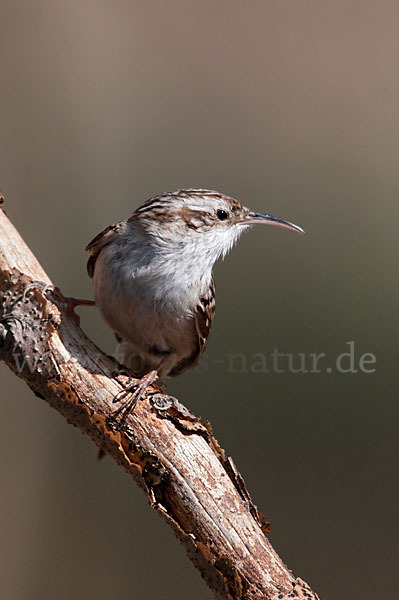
153 282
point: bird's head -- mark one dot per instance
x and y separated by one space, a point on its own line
202 220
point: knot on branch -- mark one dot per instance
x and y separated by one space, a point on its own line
25 325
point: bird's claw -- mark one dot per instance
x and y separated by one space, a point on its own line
40 285
137 390
53 293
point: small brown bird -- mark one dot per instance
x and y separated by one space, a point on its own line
153 282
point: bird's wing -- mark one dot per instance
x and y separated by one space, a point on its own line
204 316
98 243
202 322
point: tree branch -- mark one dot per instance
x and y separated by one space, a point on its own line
169 452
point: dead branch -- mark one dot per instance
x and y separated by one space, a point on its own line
169 452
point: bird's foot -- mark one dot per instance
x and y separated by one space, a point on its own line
136 390
55 295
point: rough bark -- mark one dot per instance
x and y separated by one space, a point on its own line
172 455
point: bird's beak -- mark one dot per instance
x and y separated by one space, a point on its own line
254 218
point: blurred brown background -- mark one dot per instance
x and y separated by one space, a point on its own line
291 107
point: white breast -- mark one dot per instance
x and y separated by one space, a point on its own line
148 304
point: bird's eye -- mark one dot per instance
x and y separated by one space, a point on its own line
221 214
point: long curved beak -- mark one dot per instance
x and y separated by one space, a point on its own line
254 218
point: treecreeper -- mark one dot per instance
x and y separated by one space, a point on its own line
153 283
